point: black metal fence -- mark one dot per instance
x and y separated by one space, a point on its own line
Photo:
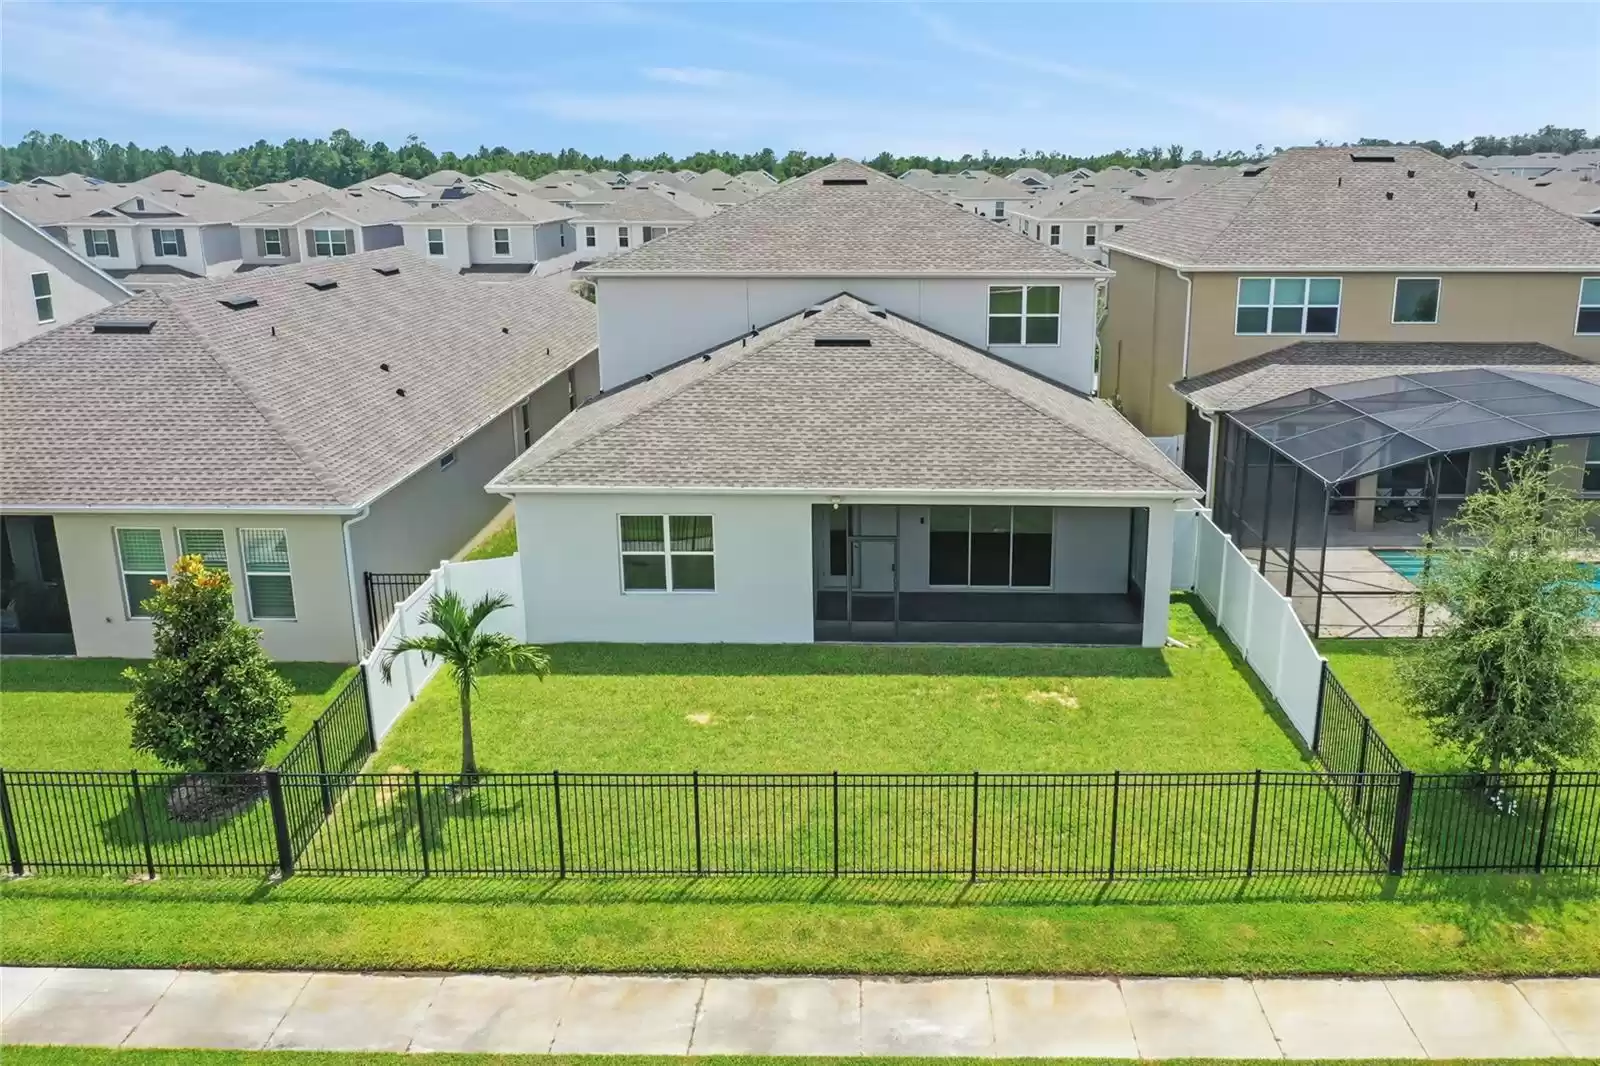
385 592
338 743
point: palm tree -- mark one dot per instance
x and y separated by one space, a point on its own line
466 652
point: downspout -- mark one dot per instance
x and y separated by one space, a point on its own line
1188 305
350 577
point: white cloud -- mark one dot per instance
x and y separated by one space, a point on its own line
149 66
702 76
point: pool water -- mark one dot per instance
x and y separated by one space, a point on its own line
1407 562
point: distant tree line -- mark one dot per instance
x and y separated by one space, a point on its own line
343 159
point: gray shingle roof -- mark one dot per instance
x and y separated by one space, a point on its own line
649 205
1308 364
915 411
279 405
490 205
811 228
359 206
1317 208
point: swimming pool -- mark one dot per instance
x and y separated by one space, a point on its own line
1407 562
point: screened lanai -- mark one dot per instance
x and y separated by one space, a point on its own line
1331 490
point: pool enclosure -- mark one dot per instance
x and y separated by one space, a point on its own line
1325 488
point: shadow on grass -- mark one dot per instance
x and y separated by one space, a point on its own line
105 675
1269 703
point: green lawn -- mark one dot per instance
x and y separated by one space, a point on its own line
500 543
71 714
43 1056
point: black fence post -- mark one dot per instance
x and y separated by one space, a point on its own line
1255 811
1116 803
366 703
1361 763
836 823
13 845
1322 695
322 767
973 874
1544 822
699 861
561 837
280 823
372 608
1402 822
144 825
422 821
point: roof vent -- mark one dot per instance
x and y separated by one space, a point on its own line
354 193
400 393
1472 194
841 342
1370 157
844 181
239 303
323 284
383 367
1388 196
814 309
1411 173
1254 172
876 311
187 195
387 272
125 325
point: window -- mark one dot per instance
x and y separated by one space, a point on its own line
209 544
622 236
1036 231
524 425
143 560
999 209
995 547
138 203
168 242
1055 233
682 561
1589 306
1024 314
1416 301
100 243
331 241
1591 467
588 237
1091 235
436 242
1287 305
266 573
447 460
502 242
271 242
44 305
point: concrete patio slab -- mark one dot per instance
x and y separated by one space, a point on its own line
779 1016
493 1014
1337 1020
355 1012
629 1015
1474 1020
91 1007
1198 1018
1571 1008
926 1017
219 1010
17 983
1069 1018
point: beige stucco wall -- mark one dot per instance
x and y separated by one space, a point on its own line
322 632
1141 347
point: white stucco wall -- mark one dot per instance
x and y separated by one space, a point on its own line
648 323
480 244
549 240
219 244
127 256
193 260
322 631
572 571
75 288
455 255
290 239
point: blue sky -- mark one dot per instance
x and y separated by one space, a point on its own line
849 79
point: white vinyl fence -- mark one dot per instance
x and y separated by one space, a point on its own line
1258 618
471 581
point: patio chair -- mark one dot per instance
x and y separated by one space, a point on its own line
1380 506
1410 504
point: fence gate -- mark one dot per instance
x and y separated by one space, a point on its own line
385 592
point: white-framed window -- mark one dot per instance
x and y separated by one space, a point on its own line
999 209
588 237
268 579
44 304
142 559
1024 314
436 242
331 241
989 547
210 544
1591 467
502 242
1416 301
1288 305
447 460
272 242
622 236
1091 235
138 203
525 424
667 553
1588 307
1055 233
100 243
168 242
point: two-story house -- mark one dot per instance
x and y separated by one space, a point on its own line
44 283
845 410
489 231
335 223
634 216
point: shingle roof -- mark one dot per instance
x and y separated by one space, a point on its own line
914 411
283 404
1318 208
365 208
1308 364
490 205
650 205
874 226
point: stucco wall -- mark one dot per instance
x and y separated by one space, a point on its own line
193 260
101 627
220 244
455 244
386 235
127 256
572 571
75 288
290 238
648 323
548 241
480 244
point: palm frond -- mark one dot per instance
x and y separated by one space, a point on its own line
429 645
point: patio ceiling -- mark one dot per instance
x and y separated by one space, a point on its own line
1342 432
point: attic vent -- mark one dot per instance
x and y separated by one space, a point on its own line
62 195
187 195
354 193
814 309
876 311
841 342
125 325
387 272
844 181
239 303
323 284
1253 172
1370 157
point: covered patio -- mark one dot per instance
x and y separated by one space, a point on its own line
1333 490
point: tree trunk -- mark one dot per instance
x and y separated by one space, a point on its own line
469 763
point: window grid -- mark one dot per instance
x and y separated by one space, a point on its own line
272 241
331 242
1091 235
1287 306
210 544
436 242
588 237
99 243
667 553
502 242
167 242
1055 234
141 559
622 236
268 578
1588 307
44 304
1024 314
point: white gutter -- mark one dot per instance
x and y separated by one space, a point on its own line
12 507
1337 268
605 272
1188 308
855 494
350 576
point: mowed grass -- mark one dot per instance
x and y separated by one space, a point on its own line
500 543
71 1056
72 714
744 708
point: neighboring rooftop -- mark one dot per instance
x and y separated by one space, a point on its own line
1355 209
846 219
655 203
845 397
292 400
362 207
491 205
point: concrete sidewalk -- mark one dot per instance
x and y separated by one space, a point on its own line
1132 1018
